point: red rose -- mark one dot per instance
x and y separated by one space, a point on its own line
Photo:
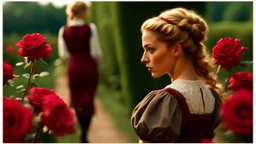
240 80
7 72
17 120
206 140
237 112
37 95
57 116
10 49
227 52
34 46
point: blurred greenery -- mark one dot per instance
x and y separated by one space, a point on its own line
31 17
109 68
242 11
124 81
229 11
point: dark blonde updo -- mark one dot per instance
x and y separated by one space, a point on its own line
183 26
75 8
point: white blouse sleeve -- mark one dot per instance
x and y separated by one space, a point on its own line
62 48
95 43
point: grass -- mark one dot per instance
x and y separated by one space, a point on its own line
110 101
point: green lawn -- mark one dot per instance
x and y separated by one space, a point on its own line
110 99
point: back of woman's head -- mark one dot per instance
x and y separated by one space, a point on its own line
75 9
183 26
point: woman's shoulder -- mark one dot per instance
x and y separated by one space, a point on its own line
156 100
165 93
157 118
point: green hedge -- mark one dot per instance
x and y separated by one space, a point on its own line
109 70
239 11
229 11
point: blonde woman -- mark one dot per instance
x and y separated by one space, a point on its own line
187 110
79 44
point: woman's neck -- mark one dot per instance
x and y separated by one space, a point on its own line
184 70
77 18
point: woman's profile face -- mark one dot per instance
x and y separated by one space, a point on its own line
157 56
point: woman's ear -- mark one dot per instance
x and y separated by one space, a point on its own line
177 49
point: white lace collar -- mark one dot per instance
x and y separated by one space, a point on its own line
77 22
191 92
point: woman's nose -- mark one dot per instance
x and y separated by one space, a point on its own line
144 59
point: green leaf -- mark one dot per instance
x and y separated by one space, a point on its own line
26 75
19 63
9 83
16 75
22 90
43 61
246 64
35 75
27 64
34 83
42 74
12 96
18 98
20 86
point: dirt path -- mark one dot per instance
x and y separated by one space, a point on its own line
102 129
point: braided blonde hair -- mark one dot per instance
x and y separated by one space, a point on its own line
75 8
183 26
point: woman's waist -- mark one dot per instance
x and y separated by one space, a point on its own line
81 57
82 60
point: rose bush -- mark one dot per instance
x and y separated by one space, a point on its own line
50 111
237 108
227 52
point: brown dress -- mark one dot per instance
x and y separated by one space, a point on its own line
164 116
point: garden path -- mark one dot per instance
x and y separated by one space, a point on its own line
102 128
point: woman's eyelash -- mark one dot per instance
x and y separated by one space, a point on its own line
150 49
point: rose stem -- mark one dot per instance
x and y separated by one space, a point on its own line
227 80
30 75
41 125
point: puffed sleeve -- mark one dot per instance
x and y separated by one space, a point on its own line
95 43
217 116
62 48
157 118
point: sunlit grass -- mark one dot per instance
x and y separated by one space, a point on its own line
110 99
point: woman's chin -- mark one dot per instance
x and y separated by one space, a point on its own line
155 75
